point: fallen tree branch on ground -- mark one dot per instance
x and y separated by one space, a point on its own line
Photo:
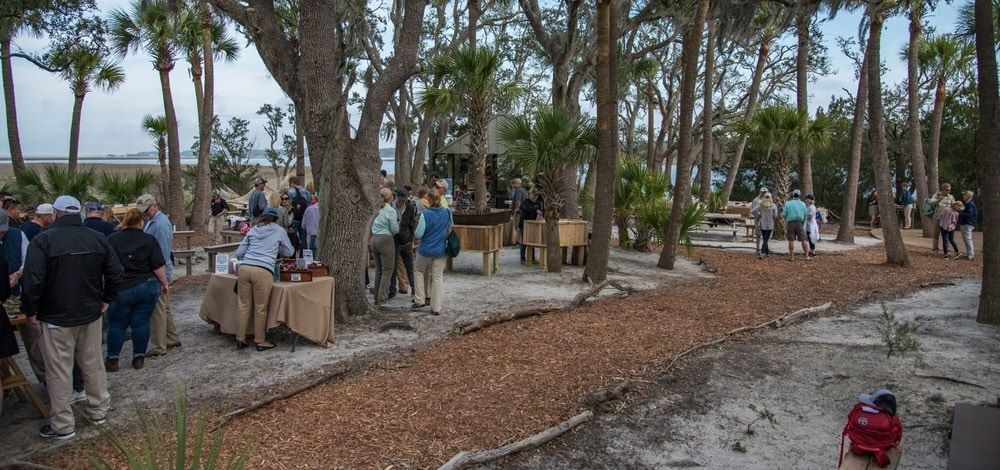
468 326
597 397
949 379
461 459
267 401
936 284
779 322
596 289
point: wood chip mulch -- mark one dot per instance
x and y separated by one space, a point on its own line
512 380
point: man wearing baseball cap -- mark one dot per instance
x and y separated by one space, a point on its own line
45 214
71 274
258 198
95 219
162 330
442 189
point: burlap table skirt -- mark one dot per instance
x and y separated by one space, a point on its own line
304 307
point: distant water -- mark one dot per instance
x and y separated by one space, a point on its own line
388 164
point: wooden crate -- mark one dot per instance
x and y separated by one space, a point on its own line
572 232
485 238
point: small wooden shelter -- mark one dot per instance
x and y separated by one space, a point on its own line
454 160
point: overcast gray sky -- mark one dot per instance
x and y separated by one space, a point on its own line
111 122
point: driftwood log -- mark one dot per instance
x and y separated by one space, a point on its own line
281 396
779 322
468 326
596 289
598 397
461 459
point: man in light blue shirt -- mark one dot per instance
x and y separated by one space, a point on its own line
795 217
162 331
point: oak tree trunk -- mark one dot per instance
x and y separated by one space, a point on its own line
752 97
682 188
705 191
895 251
74 131
845 233
607 141
13 134
989 154
300 149
420 153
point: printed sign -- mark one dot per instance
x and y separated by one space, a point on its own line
296 277
221 263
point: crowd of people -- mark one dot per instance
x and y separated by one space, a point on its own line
802 223
947 214
71 268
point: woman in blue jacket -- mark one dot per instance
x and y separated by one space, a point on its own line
258 253
432 231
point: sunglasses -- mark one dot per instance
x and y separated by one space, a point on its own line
284 199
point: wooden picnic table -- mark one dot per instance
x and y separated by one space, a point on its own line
733 221
187 234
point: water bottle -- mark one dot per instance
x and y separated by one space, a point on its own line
277 271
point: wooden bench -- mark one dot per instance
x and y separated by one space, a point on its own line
13 379
857 462
187 256
975 433
216 249
187 234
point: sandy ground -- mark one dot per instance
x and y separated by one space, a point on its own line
218 378
915 238
722 238
809 375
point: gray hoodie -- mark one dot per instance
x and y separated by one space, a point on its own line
263 244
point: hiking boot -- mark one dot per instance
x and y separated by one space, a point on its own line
48 433
111 365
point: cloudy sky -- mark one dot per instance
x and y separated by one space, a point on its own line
111 122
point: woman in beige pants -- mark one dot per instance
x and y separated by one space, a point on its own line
258 254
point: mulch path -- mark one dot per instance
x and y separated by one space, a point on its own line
512 380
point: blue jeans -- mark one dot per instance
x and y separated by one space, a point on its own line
134 307
303 237
312 245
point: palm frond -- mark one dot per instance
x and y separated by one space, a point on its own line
118 188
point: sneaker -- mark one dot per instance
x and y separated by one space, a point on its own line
435 313
958 255
972 258
99 421
48 433
77 397
946 257
370 285
174 345
416 306
385 305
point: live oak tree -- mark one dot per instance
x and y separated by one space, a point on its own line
311 67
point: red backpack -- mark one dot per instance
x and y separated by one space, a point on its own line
872 431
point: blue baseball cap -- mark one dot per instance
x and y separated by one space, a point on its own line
271 212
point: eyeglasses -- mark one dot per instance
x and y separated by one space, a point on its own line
284 199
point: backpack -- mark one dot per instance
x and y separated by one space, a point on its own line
452 245
928 208
299 205
871 433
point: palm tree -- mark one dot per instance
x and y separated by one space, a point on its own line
152 26
989 150
9 28
35 188
606 86
471 81
156 128
846 231
118 188
945 59
204 40
682 184
638 186
915 139
966 24
546 147
85 68
780 130
895 252
705 169
771 21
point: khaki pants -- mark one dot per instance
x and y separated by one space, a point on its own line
254 289
61 345
215 226
402 279
384 252
430 268
31 335
162 331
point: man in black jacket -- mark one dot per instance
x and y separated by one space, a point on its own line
71 274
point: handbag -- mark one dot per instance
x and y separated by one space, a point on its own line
452 244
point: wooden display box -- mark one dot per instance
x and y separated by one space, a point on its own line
319 271
296 276
573 238
487 239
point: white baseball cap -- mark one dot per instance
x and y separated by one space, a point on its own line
45 209
67 204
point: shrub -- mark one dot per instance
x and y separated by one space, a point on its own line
35 188
118 188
